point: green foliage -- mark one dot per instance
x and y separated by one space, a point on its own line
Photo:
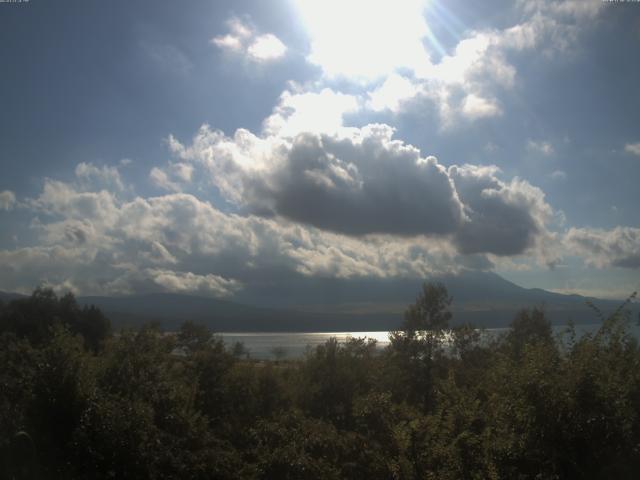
33 318
279 352
193 337
529 327
430 310
412 360
435 404
333 375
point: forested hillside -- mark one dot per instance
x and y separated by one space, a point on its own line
78 401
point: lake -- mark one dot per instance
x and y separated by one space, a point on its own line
294 344
261 344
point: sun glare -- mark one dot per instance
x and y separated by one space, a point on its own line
364 39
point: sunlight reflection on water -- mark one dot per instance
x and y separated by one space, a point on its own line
261 345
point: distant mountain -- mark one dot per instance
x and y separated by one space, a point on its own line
7 297
170 310
484 299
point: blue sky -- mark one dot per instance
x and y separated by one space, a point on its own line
209 147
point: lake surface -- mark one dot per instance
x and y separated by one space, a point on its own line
261 345
295 344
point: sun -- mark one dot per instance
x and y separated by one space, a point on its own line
364 40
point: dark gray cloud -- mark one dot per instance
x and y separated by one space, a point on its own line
504 218
361 181
354 181
363 187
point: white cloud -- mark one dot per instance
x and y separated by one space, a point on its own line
243 39
69 231
540 146
101 177
474 107
64 200
619 247
391 93
7 200
97 242
558 175
462 84
266 48
240 34
312 112
172 178
466 84
189 282
228 42
632 148
160 178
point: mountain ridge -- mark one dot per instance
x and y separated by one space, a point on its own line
484 299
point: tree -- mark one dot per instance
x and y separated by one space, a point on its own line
279 353
411 367
528 327
430 310
239 350
193 336
34 317
333 375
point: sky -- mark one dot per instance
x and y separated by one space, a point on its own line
231 148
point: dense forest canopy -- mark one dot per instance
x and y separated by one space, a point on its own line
77 401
